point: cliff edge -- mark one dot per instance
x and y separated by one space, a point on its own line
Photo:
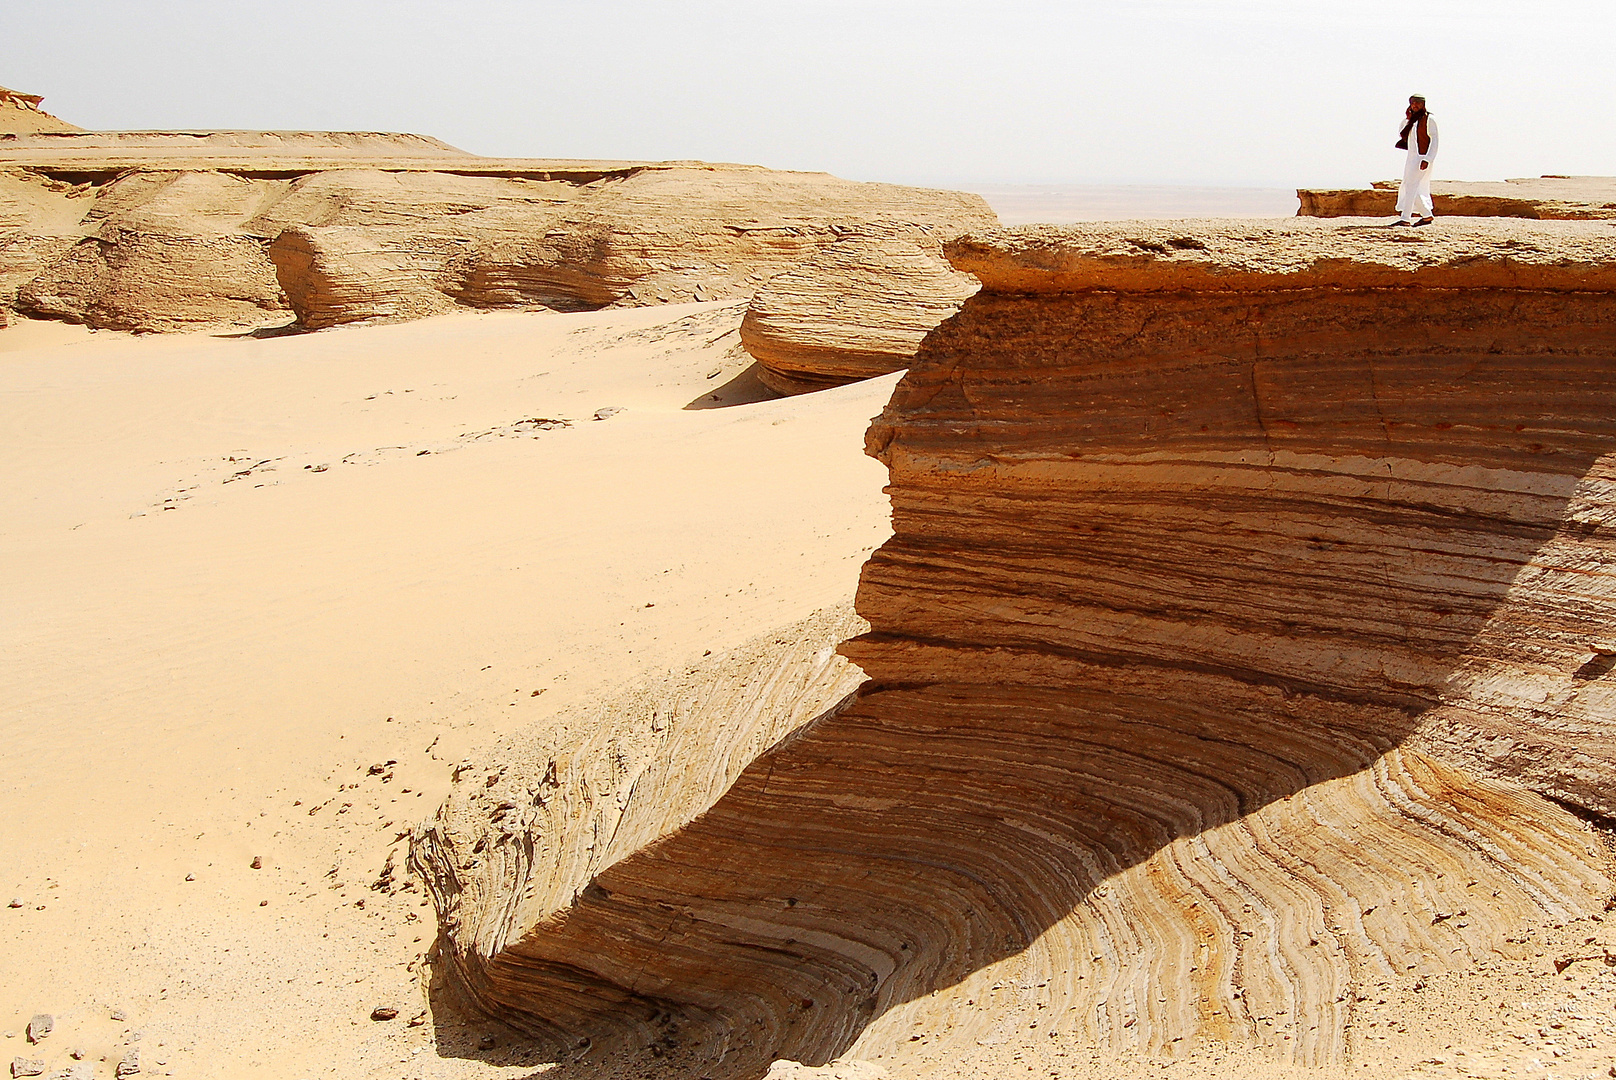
1240 658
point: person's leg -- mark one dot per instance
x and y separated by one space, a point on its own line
1406 194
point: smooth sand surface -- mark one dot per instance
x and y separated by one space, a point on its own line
240 572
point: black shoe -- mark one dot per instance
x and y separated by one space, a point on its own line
1398 222
1425 221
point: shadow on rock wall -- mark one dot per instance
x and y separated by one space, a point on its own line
1177 588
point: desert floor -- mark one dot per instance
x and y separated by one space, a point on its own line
243 572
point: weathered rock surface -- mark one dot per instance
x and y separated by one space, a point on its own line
20 114
282 154
540 816
661 234
131 280
198 228
856 309
836 1070
1546 197
1241 642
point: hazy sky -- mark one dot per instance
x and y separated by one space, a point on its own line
1240 92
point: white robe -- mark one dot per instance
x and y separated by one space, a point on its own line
1414 193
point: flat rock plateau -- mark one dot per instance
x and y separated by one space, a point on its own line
1201 667
1568 198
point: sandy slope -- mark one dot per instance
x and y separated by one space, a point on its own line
240 572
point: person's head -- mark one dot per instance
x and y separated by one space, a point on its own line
1416 103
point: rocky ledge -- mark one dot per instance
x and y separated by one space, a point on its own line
1573 198
1242 647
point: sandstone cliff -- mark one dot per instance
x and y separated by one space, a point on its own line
856 309
1241 644
159 231
1573 198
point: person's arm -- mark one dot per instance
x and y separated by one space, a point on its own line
1424 144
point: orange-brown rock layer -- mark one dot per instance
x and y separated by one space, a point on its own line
1239 646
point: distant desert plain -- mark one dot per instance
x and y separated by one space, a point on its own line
485 618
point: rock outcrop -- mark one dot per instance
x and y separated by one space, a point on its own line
1566 198
659 235
856 309
20 114
344 227
540 816
1241 646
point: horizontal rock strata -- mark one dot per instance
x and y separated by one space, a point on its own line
344 227
856 309
1239 647
1573 198
674 234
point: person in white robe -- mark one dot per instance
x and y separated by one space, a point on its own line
1419 138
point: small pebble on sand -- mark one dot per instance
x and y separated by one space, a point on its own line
383 1012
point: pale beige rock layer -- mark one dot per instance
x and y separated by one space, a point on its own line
20 114
1544 197
858 308
341 227
665 234
1239 648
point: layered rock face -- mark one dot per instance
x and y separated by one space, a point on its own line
659 235
1242 642
532 823
856 309
162 231
1565 198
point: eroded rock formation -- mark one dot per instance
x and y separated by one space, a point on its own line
856 309
658 235
20 113
344 227
1241 644
534 823
1567 198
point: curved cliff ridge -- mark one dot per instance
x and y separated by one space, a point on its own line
533 821
856 309
1237 652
